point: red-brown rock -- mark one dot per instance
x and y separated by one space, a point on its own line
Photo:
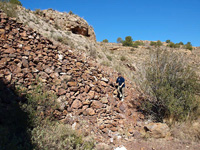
77 104
96 104
90 111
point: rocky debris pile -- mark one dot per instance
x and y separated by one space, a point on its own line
67 22
84 89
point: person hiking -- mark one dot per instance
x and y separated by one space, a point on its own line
121 85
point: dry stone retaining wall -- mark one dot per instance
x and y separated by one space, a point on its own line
83 88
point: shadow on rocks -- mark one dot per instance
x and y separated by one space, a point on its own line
14 122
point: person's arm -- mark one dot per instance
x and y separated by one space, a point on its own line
122 85
117 81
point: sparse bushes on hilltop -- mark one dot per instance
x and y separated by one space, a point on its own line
188 46
157 44
9 9
105 41
38 12
119 40
71 13
171 44
180 43
174 45
153 43
173 87
137 43
128 41
17 2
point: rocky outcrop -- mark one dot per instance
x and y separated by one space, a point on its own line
68 22
66 28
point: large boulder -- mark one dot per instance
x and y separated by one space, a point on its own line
157 130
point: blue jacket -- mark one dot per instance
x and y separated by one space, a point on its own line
121 80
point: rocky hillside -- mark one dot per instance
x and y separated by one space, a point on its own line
66 28
72 30
85 90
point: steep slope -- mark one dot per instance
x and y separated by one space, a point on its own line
85 89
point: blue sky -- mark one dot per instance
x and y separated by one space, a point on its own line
177 20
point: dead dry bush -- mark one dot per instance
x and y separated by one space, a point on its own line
187 131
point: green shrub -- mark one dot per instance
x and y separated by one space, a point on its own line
122 58
109 57
9 9
137 43
59 136
177 45
157 44
171 44
168 41
119 40
105 63
105 41
38 12
188 46
14 127
153 43
128 41
16 2
37 96
180 43
71 13
172 86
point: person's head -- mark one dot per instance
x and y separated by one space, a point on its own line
119 74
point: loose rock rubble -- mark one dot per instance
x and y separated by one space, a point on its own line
85 89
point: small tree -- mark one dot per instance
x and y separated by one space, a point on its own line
119 40
177 45
188 46
171 44
153 43
180 43
105 41
168 41
159 43
128 41
137 43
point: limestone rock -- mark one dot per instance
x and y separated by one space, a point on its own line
157 130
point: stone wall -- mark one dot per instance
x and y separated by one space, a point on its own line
84 88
